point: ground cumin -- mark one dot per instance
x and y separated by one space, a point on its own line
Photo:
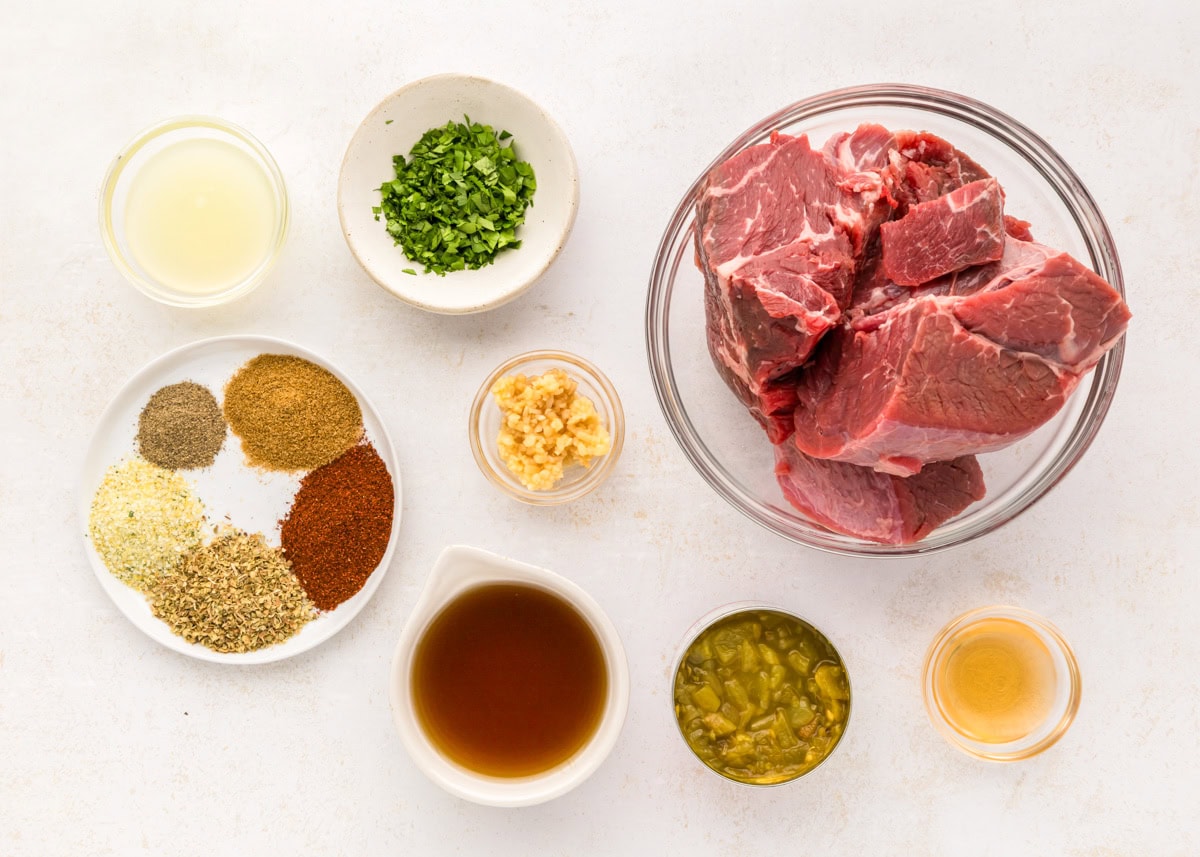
290 413
338 528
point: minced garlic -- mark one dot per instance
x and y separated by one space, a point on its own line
143 520
546 426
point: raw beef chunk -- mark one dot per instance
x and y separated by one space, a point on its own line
1017 228
874 293
775 240
944 375
877 507
881 316
1059 310
963 228
867 148
923 167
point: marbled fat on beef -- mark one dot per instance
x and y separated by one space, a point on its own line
942 375
958 230
776 235
877 311
921 167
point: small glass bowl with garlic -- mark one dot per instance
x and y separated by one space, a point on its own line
546 427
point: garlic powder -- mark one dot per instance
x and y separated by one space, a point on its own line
143 520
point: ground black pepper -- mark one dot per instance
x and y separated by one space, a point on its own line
181 427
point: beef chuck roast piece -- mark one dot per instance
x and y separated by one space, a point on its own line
867 148
919 387
1017 228
874 293
878 313
962 228
1059 310
878 507
923 167
776 235
943 375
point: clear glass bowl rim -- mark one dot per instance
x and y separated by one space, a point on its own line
1099 389
572 490
976 749
108 230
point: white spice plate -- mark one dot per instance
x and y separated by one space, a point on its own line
394 126
232 492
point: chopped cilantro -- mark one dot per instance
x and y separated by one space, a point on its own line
458 198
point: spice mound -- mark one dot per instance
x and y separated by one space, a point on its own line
236 594
546 426
290 413
181 427
143 519
458 199
338 528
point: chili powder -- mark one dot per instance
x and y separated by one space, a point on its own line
338 528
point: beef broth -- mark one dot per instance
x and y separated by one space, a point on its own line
509 680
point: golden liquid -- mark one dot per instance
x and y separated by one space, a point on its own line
994 681
200 216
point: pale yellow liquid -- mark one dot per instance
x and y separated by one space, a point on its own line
200 216
995 681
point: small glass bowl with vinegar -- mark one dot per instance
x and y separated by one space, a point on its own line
1001 684
194 211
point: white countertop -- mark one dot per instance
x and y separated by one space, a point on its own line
111 744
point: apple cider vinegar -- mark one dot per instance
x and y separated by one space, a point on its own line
995 680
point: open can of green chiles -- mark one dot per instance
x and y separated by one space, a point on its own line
760 695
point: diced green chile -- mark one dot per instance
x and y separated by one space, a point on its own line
761 697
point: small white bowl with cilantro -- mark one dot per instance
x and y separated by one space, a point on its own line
456 193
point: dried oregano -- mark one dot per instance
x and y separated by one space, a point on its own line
236 594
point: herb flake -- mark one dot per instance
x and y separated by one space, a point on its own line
458 199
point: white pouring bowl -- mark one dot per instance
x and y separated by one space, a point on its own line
458 569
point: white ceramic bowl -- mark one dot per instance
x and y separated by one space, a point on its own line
253 499
458 569
393 127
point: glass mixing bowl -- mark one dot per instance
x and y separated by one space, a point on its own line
728 447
